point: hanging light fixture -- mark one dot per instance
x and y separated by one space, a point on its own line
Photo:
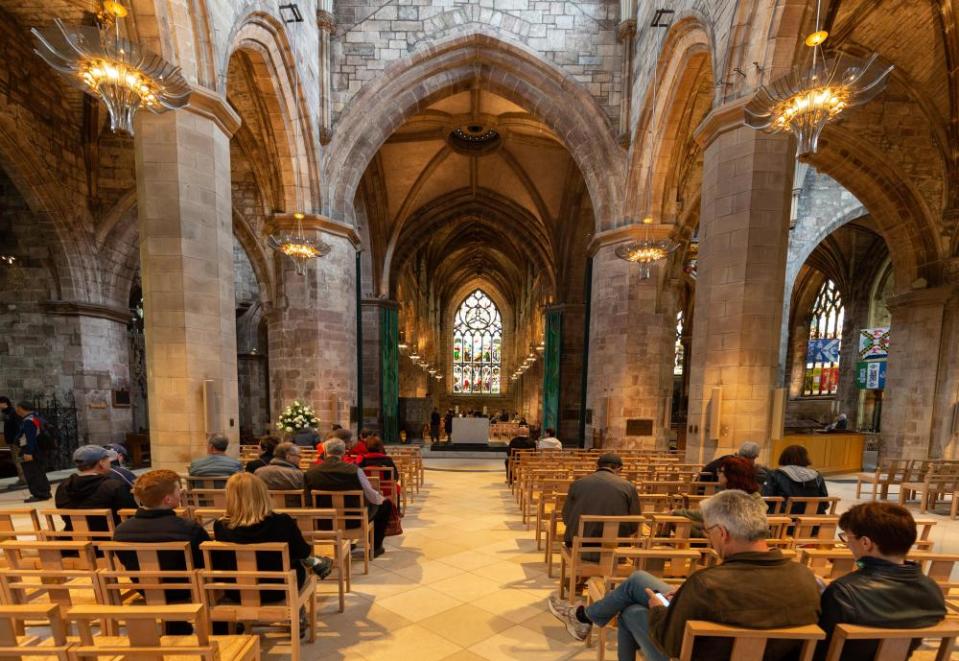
117 71
803 101
297 246
647 250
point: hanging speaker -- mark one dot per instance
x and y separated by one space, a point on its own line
211 406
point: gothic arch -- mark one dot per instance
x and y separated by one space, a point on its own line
450 66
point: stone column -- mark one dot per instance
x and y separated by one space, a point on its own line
632 327
186 253
743 230
312 332
915 345
571 371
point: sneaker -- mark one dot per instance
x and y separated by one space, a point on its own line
322 567
565 612
378 552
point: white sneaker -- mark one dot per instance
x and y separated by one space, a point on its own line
565 612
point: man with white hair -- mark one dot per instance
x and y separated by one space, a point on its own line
748 451
754 587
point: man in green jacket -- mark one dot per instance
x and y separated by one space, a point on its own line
754 587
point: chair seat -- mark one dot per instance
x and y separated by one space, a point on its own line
234 648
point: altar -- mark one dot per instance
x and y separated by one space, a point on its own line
472 431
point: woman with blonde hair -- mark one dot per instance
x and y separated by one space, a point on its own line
250 519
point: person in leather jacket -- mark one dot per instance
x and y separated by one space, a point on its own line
886 590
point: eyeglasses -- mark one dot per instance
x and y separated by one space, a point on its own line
709 528
843 537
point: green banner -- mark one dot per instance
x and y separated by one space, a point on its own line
389 373
551 356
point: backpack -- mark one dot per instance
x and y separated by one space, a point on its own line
48 437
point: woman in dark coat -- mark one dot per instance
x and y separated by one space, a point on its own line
794 478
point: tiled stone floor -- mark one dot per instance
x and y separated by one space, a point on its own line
465 580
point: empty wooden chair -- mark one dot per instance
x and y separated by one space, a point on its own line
749 644
880 479
78 525
594 555
192 482
828 564
811 506
553 495
894 644
145 640
52 555
352 518
819 531
247 593
19 523
776 504
319 530
287 498
15 643
215 498
676 532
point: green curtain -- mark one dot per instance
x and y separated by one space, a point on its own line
390 376
552 353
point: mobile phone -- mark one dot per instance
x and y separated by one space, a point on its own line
662 599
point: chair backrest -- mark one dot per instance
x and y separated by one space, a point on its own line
894 644
247 581
670 531
205 498
129 513
811 505
670 565
205 481
749 644
160 572
79 525
350 507
650 503
64 587
144 626
287 498
609 538
828 563
14 619
776 504
317 525
18 523
820 530
50 555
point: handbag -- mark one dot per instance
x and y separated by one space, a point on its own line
395 525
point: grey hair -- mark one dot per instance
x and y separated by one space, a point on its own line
344 435
743 516
219 442
334 447
749 450
282 451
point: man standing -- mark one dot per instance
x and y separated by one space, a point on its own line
448 425
886 590
754 587
34 468
216 462
11 429
603 493
435 426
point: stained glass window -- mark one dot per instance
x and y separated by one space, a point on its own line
477 346
679 353
825 336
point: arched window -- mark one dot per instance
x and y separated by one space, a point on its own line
825 337
679 352
477 346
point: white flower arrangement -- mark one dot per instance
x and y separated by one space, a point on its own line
295 417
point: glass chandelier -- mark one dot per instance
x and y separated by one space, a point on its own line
297 246
118 72
803 101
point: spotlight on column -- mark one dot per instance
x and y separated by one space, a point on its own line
290 13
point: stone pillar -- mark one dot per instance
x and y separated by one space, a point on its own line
743 230
312 334
571 372
631 337
370 416
186 253
915 345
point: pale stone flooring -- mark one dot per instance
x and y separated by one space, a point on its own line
465 580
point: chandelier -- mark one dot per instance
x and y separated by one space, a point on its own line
297 246
646 251
803 101
118 72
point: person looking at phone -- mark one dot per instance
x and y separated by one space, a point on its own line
886 590
754 587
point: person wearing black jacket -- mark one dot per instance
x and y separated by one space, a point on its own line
518 443
794 478
11 427
886 590
267 446
92 487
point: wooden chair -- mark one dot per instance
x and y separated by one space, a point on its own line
894 644
287 498
924 530
555 530
79 525
352 519
576 561
880 479
776 504
656 503
828 564
319 530
185 512
810 506
749 644
818 531
19 523
52 555
934 485
675 532
205 482
553 495
248 583
156 574
145 640
215 498
389 483
15 644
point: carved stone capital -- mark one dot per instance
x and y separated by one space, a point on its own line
626 29
210 105
325 21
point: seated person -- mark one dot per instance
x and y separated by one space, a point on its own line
216 462
283 472
520 442
250 519
794 478
734 473
886 590
335 474
748 451
753 587
267 446
839 424
354 451
118 469
604 493
375 455
306 437
92 488
549 442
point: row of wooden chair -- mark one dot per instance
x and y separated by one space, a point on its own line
926 480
